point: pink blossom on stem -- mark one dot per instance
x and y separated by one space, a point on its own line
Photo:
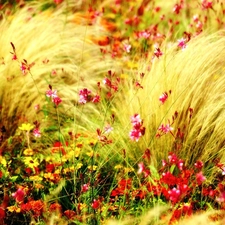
51 93
200 178
36 132
174 195
84 95
57 100
163 97
165 128
96 99
182 43
135 135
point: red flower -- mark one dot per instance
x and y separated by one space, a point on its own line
95 204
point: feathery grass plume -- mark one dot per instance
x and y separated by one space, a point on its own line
48 48
193 80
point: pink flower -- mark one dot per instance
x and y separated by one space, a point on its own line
136 119
51 93
138 130
57 100
108 129
127 48
174 195
135 135
96 99
36 132
19 195
200 178
163 97
23 68
182 43
158 52
84 95
165 129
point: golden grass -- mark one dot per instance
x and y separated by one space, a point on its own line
195 77
39 37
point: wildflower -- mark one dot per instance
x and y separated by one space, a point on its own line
36 132
200 178
165 128
14 208
108 129
57 100
135 119
28 152
51 93
19 195
85 188
30 162
135 135
96 99
84 95
158 52
138 130
23 68
127 48
163 97
70 214
95 204
26 127
177 8
206 4
199 164
143 170
14 57
182 43
174 195
37 107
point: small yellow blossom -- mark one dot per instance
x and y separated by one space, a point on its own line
91 153
28 152
39 186
92 167
3 161
14 208
26 127
35 178
118 166
78 166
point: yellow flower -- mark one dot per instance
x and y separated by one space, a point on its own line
92 167
28 152
2 161
78 166
14 208
26 127
39 186
118 166
35 178
91 153
30 162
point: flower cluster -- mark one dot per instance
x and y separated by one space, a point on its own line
86 96
53 95
138 130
